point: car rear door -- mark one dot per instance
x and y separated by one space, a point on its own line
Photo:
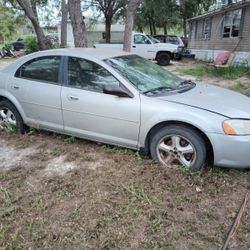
92 114
36 85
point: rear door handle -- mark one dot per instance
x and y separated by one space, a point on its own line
15 87
133 46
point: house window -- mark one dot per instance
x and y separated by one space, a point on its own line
207 28
193 29
232 23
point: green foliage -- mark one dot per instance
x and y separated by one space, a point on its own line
150 15
7 46
30 45
55 46
224 73
7 24
167 15
70 139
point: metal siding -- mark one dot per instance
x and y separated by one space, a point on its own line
217 42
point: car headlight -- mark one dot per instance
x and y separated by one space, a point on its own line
236 127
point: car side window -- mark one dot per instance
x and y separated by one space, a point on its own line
84 74
44 69
140 39
173 40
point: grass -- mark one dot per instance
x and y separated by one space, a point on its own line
223 73
125 203
243 88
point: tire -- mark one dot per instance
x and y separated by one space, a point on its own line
178 145
163 59
8 109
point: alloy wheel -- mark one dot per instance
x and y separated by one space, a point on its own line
176 150
7 119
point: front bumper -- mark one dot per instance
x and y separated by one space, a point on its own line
231 151
179 53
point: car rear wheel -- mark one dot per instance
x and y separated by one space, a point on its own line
10 118
178 146
163 59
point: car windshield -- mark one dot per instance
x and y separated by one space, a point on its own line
146 76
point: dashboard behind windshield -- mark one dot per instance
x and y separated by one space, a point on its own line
143 74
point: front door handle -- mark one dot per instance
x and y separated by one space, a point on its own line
15 87
73 98
134 46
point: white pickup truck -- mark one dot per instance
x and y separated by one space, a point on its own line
148 47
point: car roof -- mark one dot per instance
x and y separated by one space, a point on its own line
97 53
165 36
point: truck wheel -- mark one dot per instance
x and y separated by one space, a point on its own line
163 59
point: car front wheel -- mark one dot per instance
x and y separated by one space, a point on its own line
178 146
10 118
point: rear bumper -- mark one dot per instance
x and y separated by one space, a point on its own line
231 151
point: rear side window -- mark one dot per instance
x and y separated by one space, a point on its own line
172 39
45 69
161 39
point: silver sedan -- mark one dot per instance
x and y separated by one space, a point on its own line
123 99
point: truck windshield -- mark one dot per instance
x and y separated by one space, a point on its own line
146 76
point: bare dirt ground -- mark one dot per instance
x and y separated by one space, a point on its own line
58 192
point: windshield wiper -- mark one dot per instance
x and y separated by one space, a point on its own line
185 86
186 83
158 89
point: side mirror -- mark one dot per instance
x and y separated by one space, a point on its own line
116 90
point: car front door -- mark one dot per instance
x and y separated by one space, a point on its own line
142 46
37 88
92 114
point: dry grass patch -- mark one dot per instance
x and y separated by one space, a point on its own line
113 199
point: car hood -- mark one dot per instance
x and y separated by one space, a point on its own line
214 99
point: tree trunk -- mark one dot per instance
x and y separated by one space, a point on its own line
150 26
108 21
64 23
154 28
140 29
130 14
25 5
165 29
184 26
77 22
33 6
